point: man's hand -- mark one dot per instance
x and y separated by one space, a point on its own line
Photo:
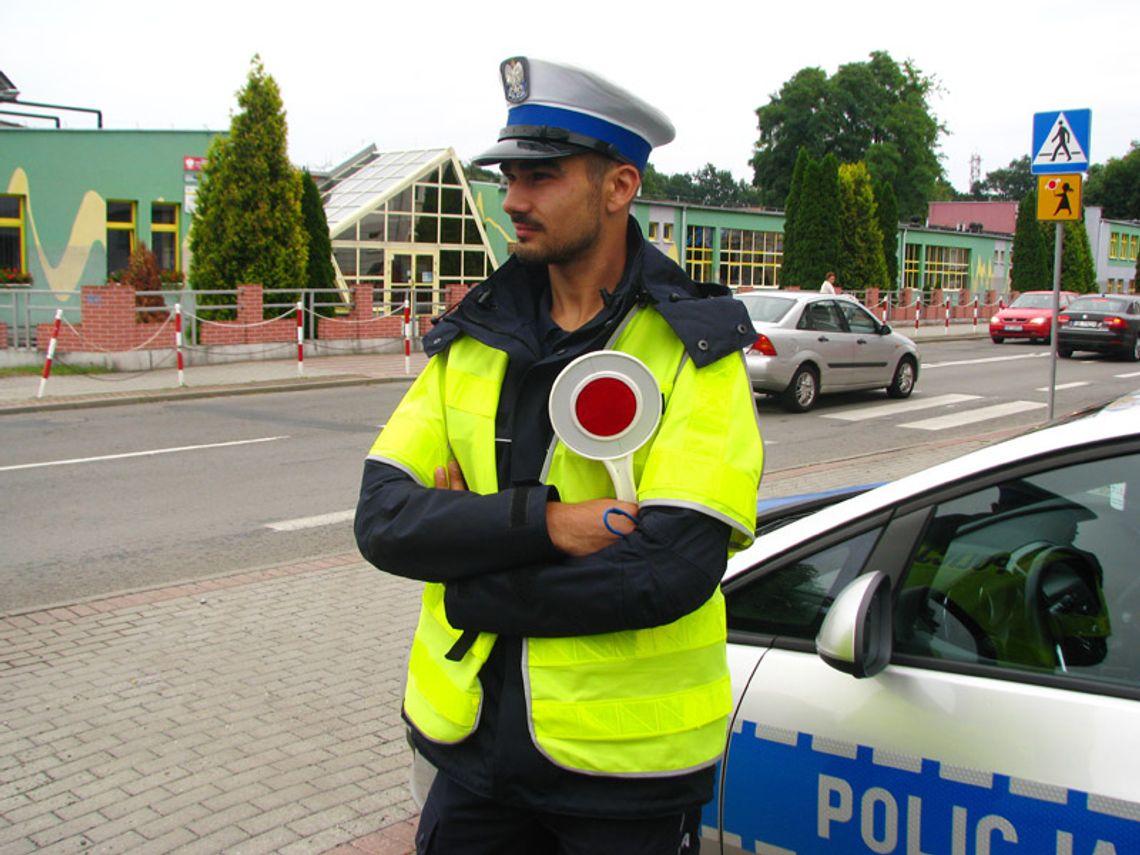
450 478
578 528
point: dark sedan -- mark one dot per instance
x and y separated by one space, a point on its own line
1104 323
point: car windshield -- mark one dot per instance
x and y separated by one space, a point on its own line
766 308
1098 304
1033 301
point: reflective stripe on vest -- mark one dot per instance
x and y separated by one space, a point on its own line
639 702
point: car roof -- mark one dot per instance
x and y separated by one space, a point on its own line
1115 420
799 296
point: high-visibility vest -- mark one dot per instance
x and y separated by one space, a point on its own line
639 702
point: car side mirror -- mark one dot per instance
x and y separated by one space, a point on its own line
885 329
855 637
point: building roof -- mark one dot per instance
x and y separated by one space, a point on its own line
363 182
991 216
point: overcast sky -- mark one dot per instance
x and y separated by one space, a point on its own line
424 73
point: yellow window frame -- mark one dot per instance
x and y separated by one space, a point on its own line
167 228
17 223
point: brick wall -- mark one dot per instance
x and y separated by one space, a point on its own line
109 323
361 323
250 327
3 335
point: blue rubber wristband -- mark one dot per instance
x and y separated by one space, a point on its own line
620 513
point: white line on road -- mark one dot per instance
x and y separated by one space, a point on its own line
878 410
1126 376
969 417
150 453
927 365
1065 386
312 522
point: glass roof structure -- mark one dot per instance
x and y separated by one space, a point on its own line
372 181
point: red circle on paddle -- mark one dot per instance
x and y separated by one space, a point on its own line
605 406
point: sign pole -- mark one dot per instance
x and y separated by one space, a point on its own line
1058 243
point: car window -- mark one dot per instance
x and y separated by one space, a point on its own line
1033 574
859 320
1034 301
821 315
767 309
793 599
1099 304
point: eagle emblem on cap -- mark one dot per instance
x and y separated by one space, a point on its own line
516 83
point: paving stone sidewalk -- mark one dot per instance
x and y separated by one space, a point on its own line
247 714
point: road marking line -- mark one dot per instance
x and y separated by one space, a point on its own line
971 416
312 522
927 365
860 413
1126 376
1065 386
150 453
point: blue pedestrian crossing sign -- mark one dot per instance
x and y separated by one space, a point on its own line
1060 142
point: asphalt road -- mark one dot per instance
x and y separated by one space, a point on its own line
101 500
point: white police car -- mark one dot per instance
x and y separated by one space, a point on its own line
948 664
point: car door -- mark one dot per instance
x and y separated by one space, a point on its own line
873 355
1008 718
821 331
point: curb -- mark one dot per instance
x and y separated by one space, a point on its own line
187 393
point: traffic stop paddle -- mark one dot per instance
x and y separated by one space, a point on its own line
604 406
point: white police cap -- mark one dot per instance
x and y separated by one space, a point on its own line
557 110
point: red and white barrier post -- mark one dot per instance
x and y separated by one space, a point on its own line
946 312
300 339
887 309
975 313
917 311
178 343
407 338
50 352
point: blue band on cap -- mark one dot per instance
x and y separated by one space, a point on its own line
631 146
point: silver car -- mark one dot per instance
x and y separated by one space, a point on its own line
809 344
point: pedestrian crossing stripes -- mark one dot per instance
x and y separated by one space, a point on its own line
968 417
877 411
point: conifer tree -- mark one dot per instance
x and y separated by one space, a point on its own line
1078 273
791 268
861 264
817 222
887 211
247 225
1031 261
319 273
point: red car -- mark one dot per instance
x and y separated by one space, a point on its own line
1027 316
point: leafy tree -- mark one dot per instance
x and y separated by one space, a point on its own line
1115 185
861 263
1031 261
875 111
707 186
791 268
247 225
1015 181
143 275
887 209
319 272
474 172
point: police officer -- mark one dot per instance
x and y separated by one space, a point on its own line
568 674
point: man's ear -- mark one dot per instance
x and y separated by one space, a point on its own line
622 183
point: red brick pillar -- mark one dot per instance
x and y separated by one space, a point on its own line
108 319
249 304
361 302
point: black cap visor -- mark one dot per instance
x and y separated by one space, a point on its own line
525 150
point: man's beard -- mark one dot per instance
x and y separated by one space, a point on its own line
563 252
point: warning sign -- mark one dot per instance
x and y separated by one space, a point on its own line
1061 142
1059 197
